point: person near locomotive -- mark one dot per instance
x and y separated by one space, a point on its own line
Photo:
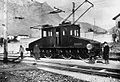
106 52
21 51
36 52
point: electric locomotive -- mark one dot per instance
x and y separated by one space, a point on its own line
64 41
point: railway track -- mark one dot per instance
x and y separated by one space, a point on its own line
91 70
99 71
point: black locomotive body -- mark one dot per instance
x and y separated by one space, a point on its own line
64 41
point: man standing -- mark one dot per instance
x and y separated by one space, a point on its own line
106 52
21 51
36 52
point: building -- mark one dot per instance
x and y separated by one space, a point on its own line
22 36
117 24
117 20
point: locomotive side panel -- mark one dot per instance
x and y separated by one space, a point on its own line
78 46
78 42
43 42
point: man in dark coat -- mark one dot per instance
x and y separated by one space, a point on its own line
106 52
36 52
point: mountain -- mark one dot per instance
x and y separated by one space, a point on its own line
22 14
86 27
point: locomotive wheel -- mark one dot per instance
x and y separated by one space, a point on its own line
67 55
82 55
48 54
79 55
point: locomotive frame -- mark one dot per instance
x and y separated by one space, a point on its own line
64 41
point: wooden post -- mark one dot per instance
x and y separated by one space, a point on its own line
5 58
73 11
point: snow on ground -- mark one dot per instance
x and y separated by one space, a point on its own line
112 64
13 47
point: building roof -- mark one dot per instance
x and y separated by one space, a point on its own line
116 16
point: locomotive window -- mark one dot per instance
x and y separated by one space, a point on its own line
44 33
70 32
63 32
49 33
75 32
57 34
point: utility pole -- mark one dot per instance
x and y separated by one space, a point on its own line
5 58
73 11
93 27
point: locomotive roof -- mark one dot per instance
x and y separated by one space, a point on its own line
61 26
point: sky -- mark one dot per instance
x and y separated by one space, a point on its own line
101 14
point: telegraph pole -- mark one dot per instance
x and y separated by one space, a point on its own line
5 58
93 27
73 11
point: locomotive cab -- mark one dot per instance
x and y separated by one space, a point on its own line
58 33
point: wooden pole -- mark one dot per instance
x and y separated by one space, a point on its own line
73 11
93 28
5 58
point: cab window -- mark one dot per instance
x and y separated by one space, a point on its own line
63 32
71 32
44 33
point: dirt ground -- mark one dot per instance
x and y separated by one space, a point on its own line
14 72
